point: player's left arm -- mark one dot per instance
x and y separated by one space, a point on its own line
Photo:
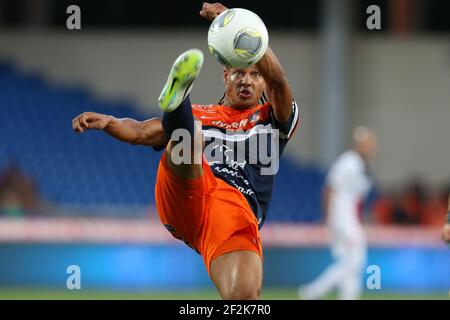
278 89
328 194
446 229
277 86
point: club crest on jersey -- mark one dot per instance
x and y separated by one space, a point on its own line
254 117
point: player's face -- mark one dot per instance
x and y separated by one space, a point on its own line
244 86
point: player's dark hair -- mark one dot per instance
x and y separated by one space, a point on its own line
263 98
222 99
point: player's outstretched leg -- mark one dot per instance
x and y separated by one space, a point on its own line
174 101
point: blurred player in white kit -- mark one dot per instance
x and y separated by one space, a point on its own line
347 184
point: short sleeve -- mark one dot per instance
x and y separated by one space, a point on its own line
337 175
287 128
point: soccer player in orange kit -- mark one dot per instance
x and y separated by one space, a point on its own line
216 204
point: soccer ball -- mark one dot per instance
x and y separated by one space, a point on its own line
238 38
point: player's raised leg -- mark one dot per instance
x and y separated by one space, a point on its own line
174 101
238 275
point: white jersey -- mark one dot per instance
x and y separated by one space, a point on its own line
349 182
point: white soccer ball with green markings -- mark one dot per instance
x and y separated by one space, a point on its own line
238 38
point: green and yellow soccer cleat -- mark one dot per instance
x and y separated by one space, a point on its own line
179 83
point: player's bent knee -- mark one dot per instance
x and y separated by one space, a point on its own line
248 289
238 275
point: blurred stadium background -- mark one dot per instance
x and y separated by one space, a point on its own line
88 200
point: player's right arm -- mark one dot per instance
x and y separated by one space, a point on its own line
149 132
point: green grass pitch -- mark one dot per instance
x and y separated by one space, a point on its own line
207 294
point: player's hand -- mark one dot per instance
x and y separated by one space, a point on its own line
446 233
90 120
211 10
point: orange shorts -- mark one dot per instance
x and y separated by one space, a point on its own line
206 213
